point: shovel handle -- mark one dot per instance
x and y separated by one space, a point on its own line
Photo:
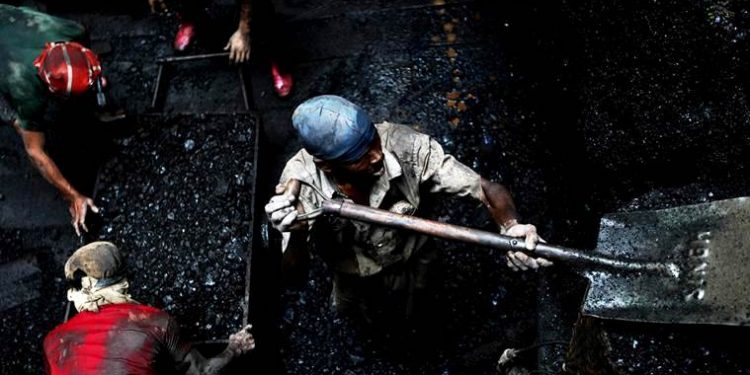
479 237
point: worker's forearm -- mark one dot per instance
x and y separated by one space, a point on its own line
296 242
245 12
500 203
202 366
51 173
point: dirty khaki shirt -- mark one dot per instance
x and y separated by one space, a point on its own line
414 164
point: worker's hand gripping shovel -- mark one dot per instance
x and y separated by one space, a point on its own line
282 208
686 264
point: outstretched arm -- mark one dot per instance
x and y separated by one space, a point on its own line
239 42
191 362
78 203
444 174
500 204
245 10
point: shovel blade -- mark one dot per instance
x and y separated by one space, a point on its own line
710 243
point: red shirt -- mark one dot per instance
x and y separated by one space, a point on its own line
120 339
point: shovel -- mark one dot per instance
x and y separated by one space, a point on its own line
684 265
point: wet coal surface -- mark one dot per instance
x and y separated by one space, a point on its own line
177 200
36 303
580 109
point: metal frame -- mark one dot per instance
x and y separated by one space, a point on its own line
164 64
255 236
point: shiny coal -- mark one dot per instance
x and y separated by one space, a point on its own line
177 200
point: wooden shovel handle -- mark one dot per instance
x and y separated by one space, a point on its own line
479 237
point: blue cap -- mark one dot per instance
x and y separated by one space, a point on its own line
333 129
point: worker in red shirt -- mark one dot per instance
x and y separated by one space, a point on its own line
113 334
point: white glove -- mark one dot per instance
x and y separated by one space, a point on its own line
281 212
518 260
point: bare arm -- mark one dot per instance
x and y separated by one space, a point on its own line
199 365
78 204
239 42
500 204
34 144
245 12
239 344
157 6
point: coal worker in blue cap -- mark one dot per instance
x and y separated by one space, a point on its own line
387 166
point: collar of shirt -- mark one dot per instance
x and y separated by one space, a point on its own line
392 170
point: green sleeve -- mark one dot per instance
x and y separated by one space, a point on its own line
30 102
25 32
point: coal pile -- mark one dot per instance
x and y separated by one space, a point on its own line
34 294
177 200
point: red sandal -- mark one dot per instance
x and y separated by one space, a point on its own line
184 36
282 83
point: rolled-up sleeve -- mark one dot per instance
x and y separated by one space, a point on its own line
298 168
442 173
294 169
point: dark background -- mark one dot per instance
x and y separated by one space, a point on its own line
579 108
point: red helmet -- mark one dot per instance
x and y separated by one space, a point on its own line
68 67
